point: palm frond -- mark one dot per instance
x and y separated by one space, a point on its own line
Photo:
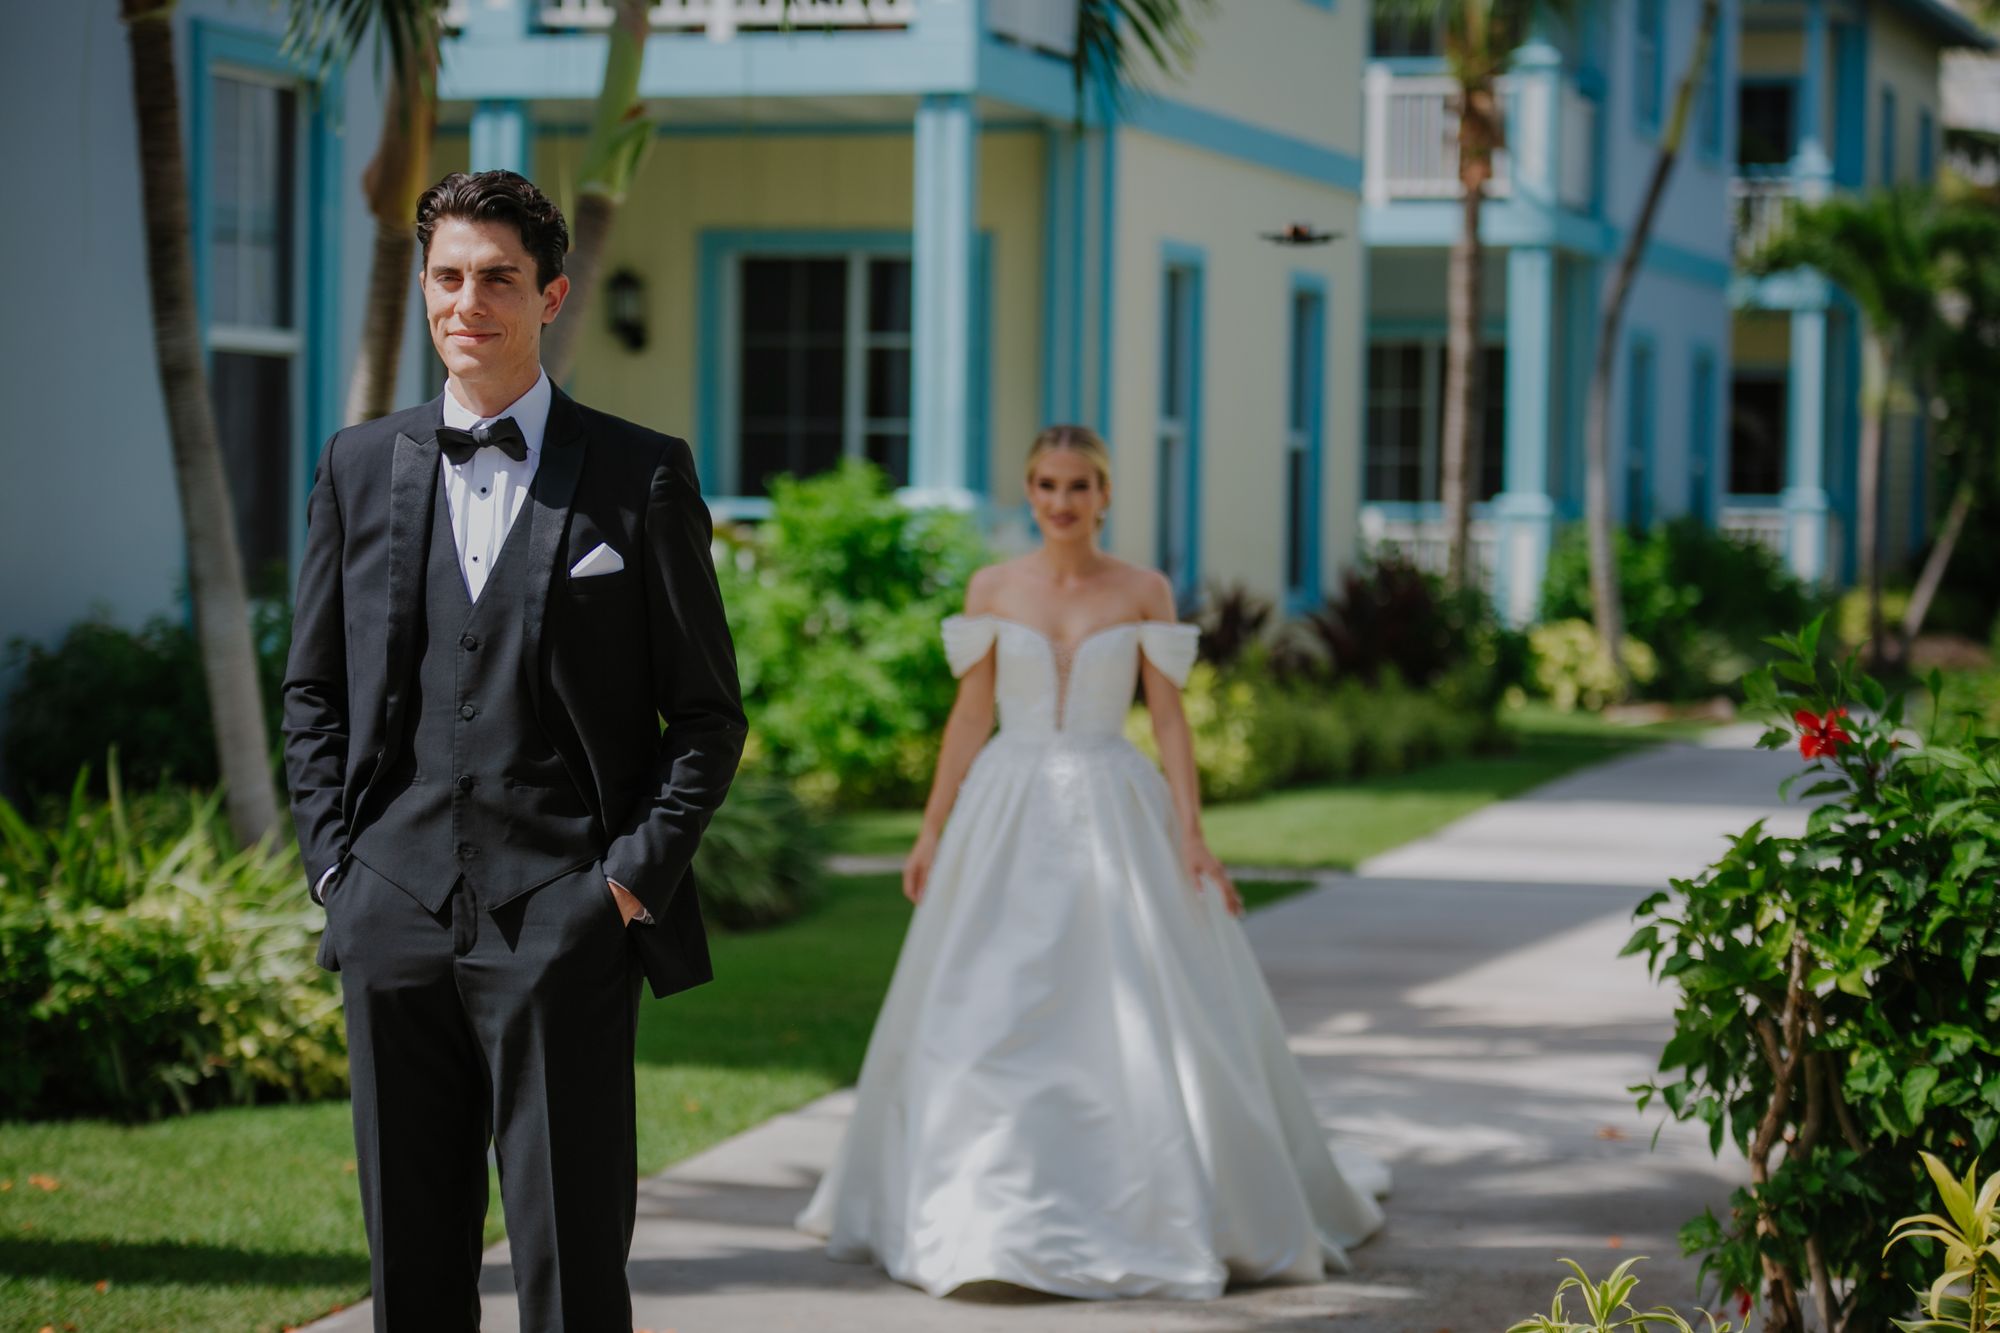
325 33
1111 36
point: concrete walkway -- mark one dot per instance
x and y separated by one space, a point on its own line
1459 1009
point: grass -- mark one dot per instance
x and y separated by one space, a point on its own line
249 1218
1341 824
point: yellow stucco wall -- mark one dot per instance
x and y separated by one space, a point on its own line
1170 193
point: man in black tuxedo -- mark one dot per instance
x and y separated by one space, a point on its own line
503 594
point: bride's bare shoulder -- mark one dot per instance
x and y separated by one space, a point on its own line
1148 589
987 588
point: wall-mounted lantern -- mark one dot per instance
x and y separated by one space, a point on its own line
625 307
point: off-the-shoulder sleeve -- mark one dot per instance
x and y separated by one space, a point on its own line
1171 647
966 639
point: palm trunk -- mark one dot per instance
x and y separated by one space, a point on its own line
1938 559
392 182
1478 110
215 570
1868 493
1604 591
619 136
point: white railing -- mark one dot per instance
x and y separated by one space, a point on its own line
1761 526
1577 133
719 18
1422 541
1759 206
1413 131
1041 25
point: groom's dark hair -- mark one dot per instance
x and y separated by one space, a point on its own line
498 196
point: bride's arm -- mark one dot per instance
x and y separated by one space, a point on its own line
1176 742
965 731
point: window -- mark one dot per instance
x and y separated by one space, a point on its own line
1888 136
1303 398
253 330
1701 438
1757 428
1766 124
1179 443
1712 87
823 366
1926 145
1405 430
1648 43
1640 409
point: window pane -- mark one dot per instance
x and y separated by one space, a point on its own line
253 418
889 296
763 456
1395 441
792 368
825 296
1764 124
1172 492
1296 518
819 451
890 451
767 295
1299 409
1491 475
1757 410
1174 353
889 383
251 222
823 383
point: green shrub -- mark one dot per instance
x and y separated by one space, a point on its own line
146 966
1571 673
1608 1308
141 690
1839 992
1702 601
759 862
834 603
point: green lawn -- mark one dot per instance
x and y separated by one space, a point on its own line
248 1219
1341 824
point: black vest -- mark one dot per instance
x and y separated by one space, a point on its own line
478 791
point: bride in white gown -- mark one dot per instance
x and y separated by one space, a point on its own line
1078 1082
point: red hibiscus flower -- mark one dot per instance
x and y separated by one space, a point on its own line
1820 735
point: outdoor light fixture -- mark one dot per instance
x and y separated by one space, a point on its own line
1300 233
625 304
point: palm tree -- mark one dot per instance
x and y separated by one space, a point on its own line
1604 595
328 32
1895 253
1480 37
215 570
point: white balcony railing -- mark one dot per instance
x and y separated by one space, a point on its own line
1759 206
1413 120
1422 541
1763 525
719 18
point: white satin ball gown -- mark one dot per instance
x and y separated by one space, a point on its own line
1078 1082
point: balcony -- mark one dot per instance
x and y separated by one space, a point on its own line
722 18
1413 138
1758 207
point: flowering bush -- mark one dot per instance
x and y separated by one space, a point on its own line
1569 670
1839 993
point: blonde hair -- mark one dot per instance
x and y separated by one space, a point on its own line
1078 439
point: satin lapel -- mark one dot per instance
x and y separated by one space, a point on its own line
412 491
549 498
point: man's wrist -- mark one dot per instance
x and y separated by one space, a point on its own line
319 889
643 916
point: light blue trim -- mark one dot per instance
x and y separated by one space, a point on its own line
1192 259
1651 16
1926 146
1531 329
1810 132
1797 289
1107 271
1703 481
1805 498
1716 101
1327 5
1304 596
1508 223
501 136
1431 328
1412 64
1063 271
946 184
1888 136
1245 142
317 409
1850 104
1642 405
1950 27
718 249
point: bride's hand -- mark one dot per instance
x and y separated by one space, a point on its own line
1203 865
917 867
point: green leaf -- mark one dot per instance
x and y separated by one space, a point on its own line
1917 1085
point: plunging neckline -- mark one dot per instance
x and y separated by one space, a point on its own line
1062 661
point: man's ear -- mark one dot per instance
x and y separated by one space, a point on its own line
553 297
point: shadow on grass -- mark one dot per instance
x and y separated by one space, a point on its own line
83 1260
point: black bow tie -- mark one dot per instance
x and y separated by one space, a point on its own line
504 435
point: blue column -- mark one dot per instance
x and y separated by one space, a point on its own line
1804 499
1063 277
500 137
1811 161
947 169
1523 512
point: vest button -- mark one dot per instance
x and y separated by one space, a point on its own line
467 851
467 711
465 782
468 641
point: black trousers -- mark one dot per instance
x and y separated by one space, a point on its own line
512 1027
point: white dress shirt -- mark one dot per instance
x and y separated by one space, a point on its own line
485 494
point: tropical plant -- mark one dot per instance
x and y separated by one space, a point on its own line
328 33
1232 620
1838 993
1605 604
1607 1306
208 524
1895 253
1965 1297
1480 38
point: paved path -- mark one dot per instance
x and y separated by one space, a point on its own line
1458 1007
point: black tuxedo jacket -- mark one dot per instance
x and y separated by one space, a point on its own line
614 654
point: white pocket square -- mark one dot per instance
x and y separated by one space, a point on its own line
603 560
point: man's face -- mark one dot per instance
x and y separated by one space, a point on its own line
480 298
